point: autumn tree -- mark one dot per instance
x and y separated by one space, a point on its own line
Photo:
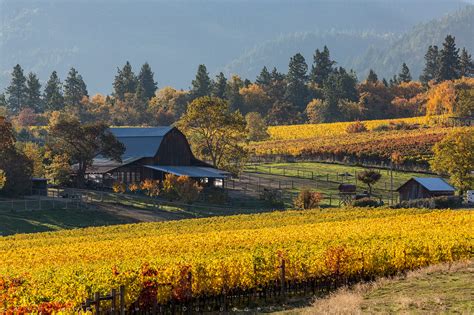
369 177
215 132
201 85
59 169
125 82
16 166
3 179
168 105
307 199
256 128
255 99
147 82
53 96
17 90
83 142
33 93
454 156
322 66
35 154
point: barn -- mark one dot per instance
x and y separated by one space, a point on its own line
425 187
151 153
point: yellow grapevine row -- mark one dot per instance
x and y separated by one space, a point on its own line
305 131
240 251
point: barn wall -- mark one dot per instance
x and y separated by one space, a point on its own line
174 150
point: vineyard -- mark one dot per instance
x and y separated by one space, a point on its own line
154 261
304 131
413 146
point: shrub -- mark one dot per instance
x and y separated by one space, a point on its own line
367 202
441 202
183 188
307 199
272 196
151 187
356 127
134 187
118 187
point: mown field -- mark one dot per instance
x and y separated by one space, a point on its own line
58 270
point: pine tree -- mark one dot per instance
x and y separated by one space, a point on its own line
322 66
384 81
16 91
466 64
147 81
53 97
264 78
449 67
202 83
125 82
430 72
74 89
372 77
404 75
33 93
394 81
219 86
3 101
296 90
276 75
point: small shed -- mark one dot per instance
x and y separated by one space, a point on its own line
425 187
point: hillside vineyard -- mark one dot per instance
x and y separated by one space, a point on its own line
62 269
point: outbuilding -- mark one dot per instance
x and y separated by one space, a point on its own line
425 187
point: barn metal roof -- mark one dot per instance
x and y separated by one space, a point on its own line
140 142
434 183
191 171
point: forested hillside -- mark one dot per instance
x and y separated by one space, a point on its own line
380 50
176 36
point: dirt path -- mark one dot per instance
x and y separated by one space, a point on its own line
142 215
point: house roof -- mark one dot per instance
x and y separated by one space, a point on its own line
102 165
191 171
432 183
140 142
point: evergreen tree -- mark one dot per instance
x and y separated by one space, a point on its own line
147 81
466 64
384 81
3 100
322 66
264 78
74 89
449 62
404 75
33 93
53 97
220 85
296 90
276 75
202 83
394 81
372 77
125 82
430 72
232 93
247 82
17 91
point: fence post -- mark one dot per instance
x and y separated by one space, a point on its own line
122 300
283 278
114 300
97 302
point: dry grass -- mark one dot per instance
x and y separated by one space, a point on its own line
445 288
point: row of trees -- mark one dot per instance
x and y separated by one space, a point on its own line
320 92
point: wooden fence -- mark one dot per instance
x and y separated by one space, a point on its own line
230 300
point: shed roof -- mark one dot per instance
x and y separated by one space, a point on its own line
191 171
140 142
432 183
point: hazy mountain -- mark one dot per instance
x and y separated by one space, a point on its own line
175 36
